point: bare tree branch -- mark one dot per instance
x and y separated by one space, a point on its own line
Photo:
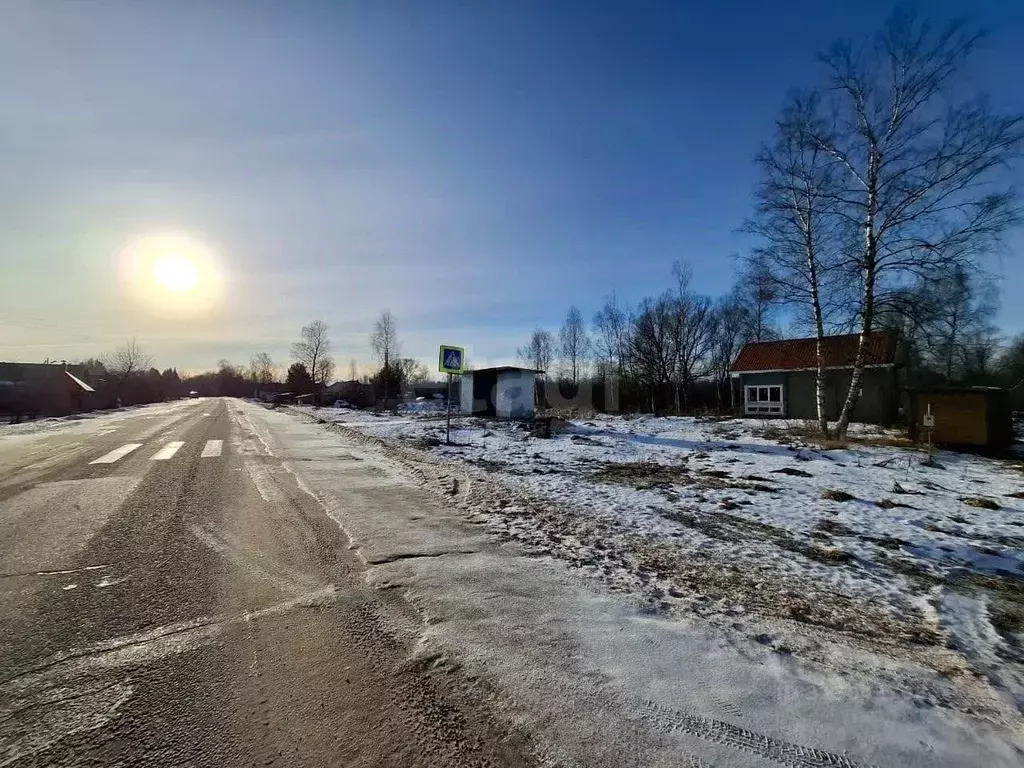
313 351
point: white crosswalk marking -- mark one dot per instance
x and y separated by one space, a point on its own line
212 449
116 454
167 451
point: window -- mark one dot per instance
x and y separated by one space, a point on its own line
764 401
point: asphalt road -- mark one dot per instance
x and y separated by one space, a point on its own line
170 596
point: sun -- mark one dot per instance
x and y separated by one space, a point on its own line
172 274
177 274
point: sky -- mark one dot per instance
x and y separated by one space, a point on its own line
475 167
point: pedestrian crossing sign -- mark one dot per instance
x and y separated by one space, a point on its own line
451 359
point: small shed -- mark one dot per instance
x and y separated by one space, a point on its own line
976 417
506 391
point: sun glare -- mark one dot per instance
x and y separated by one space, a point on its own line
176 273
171 274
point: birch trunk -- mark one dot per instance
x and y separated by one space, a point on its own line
819 325
868 299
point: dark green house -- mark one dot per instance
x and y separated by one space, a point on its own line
777 378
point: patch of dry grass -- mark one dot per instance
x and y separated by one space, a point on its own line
792 472
834 527
808 434
644 475
979 502
834 494
890 504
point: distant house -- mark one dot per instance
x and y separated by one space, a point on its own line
44 389
353 392
268 391
777 378
507 392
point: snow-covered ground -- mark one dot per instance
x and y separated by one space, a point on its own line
871 546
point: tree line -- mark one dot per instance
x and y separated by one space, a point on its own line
126 375
882 197
670 352
312 369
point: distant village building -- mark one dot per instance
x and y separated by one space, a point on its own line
354 392
28 390
506 392
777 378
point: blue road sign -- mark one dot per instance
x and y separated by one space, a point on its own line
451 359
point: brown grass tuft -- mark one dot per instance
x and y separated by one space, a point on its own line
979 502
833 494
890 504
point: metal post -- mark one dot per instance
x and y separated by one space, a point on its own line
448 408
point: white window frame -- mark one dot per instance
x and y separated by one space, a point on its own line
754 405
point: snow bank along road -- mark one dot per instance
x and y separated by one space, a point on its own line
171 595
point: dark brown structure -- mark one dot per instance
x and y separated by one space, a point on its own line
972 417
44 389
777 378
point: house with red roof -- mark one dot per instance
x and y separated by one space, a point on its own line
777 378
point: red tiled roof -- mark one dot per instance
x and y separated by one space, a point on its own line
801 354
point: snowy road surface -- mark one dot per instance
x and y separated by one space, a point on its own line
172 596
233 585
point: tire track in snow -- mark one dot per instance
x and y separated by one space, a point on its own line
784 752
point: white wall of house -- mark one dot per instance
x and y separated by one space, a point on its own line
515 395
466 394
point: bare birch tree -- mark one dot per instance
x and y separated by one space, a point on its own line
694 330
611 337
313 350
654 350
574 344
953 321
757 293
384 342
413 371
538 351
261 369
922 167
733 328
801 255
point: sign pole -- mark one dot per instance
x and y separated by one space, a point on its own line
450 360
448 408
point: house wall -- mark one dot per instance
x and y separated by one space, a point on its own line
878 404
764 380
466 394
514 398
879 400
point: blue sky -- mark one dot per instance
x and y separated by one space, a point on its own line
474 167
